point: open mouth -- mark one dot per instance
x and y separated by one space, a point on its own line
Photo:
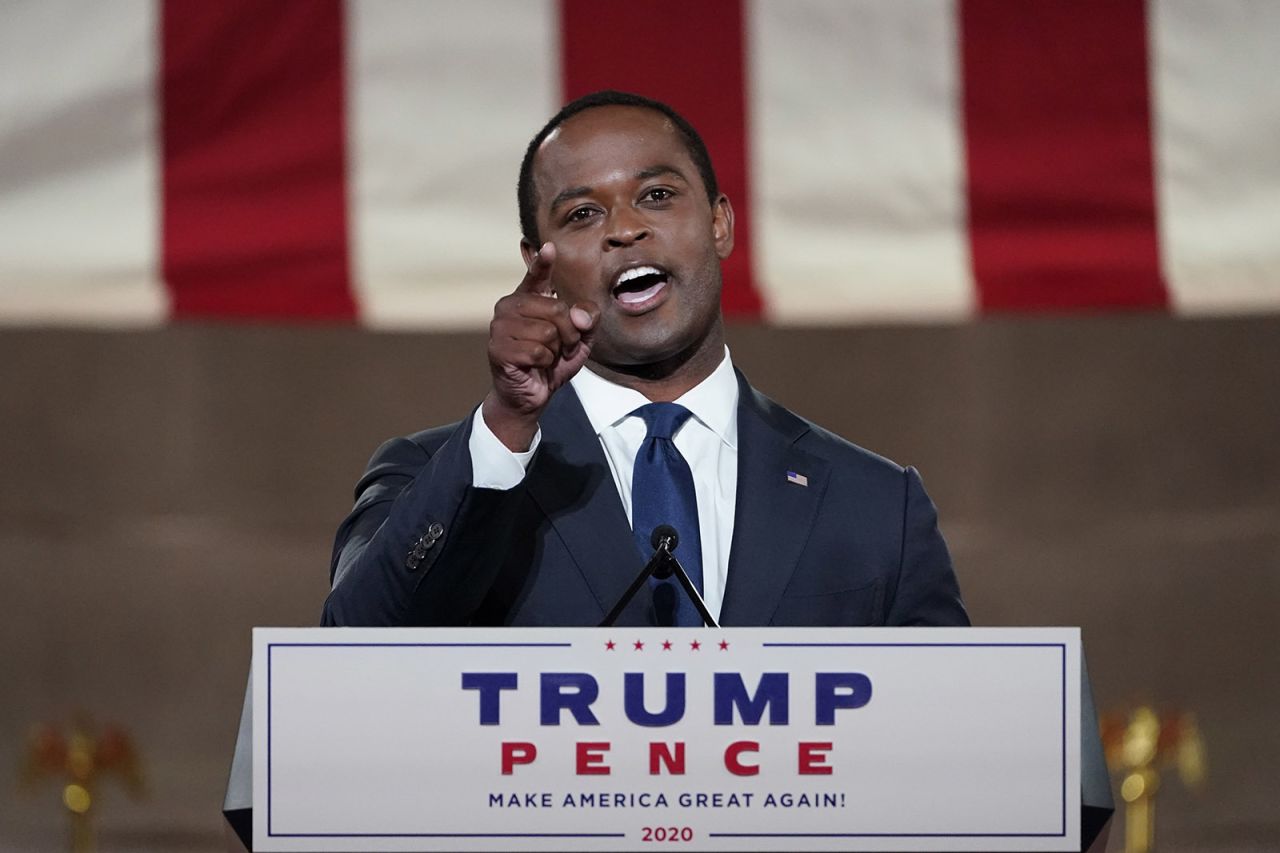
638 285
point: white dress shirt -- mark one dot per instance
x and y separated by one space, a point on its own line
708 441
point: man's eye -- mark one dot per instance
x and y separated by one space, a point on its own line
578 214
658 194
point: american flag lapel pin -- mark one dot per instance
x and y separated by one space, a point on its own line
798 479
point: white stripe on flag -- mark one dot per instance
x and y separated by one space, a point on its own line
79 166
857 161
444 99
1217 127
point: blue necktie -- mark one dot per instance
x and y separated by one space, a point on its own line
662 493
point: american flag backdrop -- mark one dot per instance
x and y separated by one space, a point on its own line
889 160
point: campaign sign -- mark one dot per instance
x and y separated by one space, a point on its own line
647 739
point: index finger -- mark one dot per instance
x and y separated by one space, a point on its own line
538 278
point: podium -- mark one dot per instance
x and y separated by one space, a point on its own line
627 739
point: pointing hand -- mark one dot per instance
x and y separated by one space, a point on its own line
536 344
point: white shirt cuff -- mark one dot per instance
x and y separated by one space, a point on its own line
493 465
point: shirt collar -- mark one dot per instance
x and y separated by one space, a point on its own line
713 401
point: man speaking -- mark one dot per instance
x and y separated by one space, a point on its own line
615 408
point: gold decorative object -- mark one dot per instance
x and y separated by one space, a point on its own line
78 759
1138 746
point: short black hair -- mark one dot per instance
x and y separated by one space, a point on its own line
607 98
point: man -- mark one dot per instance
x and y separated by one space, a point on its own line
538 508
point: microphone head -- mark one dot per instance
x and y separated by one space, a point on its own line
667 532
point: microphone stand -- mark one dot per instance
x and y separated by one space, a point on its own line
662 565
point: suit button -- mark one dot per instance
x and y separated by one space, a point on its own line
413 561
435 531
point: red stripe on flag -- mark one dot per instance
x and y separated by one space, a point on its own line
689 55
255 220
1061 183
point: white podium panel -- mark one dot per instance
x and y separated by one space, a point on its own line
639 739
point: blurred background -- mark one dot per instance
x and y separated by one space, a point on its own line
1032 248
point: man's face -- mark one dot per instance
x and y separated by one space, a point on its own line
634 232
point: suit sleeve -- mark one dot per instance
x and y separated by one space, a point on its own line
421 546
927 592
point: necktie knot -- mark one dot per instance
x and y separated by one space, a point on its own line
661 420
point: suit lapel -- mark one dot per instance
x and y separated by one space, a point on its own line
571 483
773 515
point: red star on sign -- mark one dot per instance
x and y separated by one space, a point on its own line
639 646
724 645
609 645
666 645
695 645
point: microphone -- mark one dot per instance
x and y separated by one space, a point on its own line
664 535
664 540
661 566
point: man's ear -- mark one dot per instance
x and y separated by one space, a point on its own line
528 251
722 226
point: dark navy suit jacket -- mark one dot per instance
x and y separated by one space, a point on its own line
858 545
